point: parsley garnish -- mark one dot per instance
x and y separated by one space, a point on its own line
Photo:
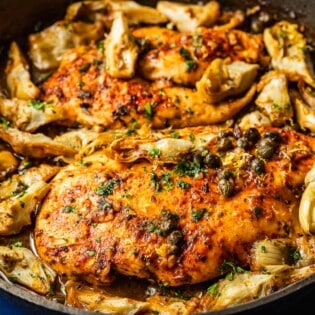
39 105
107 189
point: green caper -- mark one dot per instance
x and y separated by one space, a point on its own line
252 135
226 174
199 155
273 136
243 143
175 238
266 149
212 160
224 144
226 187
258 166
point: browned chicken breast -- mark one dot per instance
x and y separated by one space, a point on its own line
175 221
83 90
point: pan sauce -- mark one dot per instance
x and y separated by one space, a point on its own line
270 111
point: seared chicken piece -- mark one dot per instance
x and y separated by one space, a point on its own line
221 81
21 266
18 75
48 46
274 98
20 195
178 223
184 58
188 17
29 115
288 50
85 93
121 51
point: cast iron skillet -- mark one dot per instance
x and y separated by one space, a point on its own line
17 17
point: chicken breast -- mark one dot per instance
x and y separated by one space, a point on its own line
176 223
88 95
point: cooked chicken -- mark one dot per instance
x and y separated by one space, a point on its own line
85 93
20 195
188 17
177 223
21 266
274 99
18 75
289 53
121 51
184 58
48 46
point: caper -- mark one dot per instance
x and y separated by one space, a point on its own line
273 136
252 135
212 160
226 187
175 238
243 143
225 174
199 155
224 144
266 149
258 166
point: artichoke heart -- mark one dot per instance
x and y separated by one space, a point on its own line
221 81
307 209
21 266
121 50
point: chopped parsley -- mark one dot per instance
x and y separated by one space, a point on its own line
155 152
20 190
16 244
107 189
69 209
213 289
257 212
187 168
191 65
148 110
39 105
175 135
91 253
263 249
6 123
198 214
185 53
84 68
230 268
183 185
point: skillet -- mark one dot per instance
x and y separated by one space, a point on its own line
17 17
